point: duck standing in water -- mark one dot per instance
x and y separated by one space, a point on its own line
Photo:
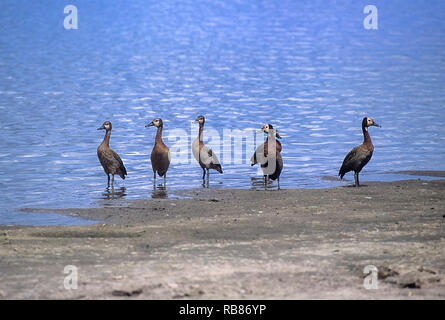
110 160
359 156
262 156
203 154
160 155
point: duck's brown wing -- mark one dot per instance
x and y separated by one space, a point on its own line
209 158
355 160
347 162
278 168
121 170
279 146
160 160
258 156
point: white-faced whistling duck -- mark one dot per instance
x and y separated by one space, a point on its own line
203 154
160 155
110 160
262 155
359 156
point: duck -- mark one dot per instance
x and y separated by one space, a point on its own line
261 155
359 156
108 158
206 158
160 155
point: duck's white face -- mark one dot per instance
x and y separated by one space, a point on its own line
200 119
265 128
106 125
157 122
370 122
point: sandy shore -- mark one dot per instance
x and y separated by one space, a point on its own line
240 244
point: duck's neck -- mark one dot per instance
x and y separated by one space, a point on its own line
106 141
200 133
158 138
366 137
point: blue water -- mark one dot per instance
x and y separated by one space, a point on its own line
308 67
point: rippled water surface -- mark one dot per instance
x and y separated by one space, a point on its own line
308 67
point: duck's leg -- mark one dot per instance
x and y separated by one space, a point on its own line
165 179
208 177
108 179
357 184
278 183
203 176
112 180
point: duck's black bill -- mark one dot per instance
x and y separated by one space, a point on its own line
101 128
151 124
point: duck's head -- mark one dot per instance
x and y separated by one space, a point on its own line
156 122
369 122
200 120
106 126
268 127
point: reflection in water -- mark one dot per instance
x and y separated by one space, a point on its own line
159 192
113 194
257 183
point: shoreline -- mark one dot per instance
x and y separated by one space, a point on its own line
182 194
240 244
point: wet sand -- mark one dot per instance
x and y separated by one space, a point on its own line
240 244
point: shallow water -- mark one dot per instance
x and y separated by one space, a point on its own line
308 67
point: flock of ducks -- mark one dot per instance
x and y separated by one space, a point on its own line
271 163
